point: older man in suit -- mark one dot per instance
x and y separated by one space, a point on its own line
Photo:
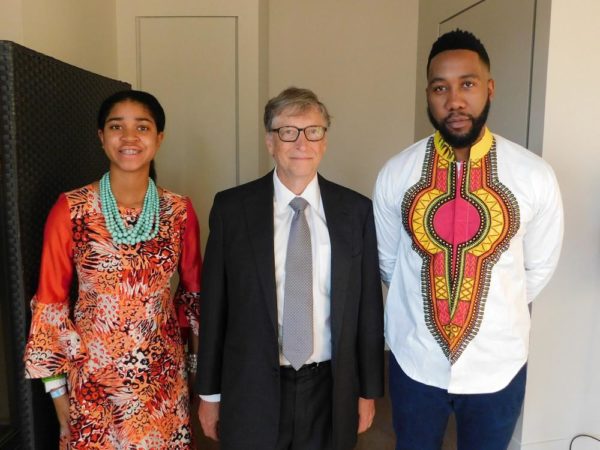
291 346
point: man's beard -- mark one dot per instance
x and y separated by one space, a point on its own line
462 140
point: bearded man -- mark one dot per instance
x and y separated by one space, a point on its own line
469 229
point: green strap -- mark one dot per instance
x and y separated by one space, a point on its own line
53 377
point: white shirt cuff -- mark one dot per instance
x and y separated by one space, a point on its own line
54 384
214 398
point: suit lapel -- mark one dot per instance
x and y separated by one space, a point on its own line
339 225
258 211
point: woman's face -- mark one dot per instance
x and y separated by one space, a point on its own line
130 138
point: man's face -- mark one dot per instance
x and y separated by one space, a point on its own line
459 92
297 162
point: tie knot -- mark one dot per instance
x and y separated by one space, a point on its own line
298 204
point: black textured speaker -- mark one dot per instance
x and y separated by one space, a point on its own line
48 145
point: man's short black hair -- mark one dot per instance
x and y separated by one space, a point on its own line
458 40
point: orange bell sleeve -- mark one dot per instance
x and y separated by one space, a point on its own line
54 346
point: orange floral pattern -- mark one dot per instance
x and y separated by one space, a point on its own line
120 344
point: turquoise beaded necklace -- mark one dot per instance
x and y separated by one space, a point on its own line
146 226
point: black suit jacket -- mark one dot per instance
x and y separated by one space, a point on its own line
239 354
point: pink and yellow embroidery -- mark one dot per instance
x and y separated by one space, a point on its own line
461 221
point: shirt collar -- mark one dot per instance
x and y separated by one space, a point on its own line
283 196
478 150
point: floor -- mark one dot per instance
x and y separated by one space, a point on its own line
379 437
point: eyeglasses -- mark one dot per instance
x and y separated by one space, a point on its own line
290 134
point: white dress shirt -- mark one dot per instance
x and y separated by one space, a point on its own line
498 342
321 262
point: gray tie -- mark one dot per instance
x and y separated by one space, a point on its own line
297 325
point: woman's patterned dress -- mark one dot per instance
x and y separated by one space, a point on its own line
120 344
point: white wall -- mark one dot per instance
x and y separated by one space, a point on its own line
11 23
563 391
82 33
360 59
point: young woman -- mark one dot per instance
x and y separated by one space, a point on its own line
115 365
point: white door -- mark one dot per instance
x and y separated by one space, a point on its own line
196 83
202 61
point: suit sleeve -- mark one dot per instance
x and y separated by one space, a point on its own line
213 307
370 321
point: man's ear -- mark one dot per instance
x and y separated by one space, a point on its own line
269 142
491 88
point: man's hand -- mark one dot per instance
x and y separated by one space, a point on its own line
208 414
366 414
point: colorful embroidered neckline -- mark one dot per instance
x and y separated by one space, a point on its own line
478 150
461 222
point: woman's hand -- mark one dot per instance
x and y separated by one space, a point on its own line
61 404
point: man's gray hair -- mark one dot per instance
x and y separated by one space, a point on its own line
294 98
